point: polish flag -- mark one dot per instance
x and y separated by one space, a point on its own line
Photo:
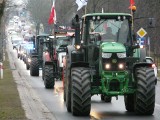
52 17
131 3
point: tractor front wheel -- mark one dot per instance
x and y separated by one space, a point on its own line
80 91
129 102
27 66
64 85
145 91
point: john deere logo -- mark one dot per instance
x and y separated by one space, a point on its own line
114 61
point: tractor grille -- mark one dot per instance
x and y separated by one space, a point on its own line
114 85
114 61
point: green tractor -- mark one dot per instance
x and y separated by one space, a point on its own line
107 60
36 57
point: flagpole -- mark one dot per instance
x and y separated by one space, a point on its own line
132 18
85 12
132 8
149 46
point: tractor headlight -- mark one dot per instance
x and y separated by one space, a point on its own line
121 55
29 60
107 66
77 47
22 52
106 55
121 66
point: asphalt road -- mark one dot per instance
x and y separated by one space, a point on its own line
48 104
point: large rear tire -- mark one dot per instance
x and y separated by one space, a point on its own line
64 85
145 93
81 91
34 67
67 82
129 102
49 79
27 66
43 71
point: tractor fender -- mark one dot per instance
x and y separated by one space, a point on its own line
141 64
80 64
69 51
48 63
76 58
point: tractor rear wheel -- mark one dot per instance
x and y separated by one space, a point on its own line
129 102
68 97
64 86
34 67
80 91
49 79
145 92
43 71
27 66
67 84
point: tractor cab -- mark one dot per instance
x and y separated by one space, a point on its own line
108 40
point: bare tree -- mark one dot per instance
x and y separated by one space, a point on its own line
40 11
65 9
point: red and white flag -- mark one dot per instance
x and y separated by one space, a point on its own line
52 17
131 3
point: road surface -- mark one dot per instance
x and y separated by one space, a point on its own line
47 104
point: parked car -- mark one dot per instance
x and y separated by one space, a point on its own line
150 60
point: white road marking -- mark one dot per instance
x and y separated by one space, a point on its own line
157 105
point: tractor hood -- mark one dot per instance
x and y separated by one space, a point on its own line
113 47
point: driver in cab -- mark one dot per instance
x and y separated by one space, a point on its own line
108 36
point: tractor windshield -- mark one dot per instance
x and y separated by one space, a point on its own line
63 41
110 30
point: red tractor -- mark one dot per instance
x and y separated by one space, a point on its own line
54 51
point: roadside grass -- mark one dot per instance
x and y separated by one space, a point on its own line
10 104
